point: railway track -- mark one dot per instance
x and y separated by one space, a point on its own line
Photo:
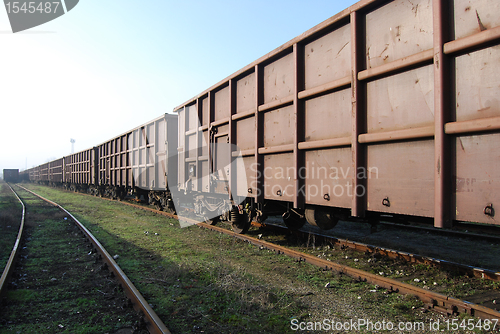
462 230
434 301
467 270
15 251
148 316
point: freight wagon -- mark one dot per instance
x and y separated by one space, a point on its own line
50 173
55 171
34 174
140 161
80 170
137 162
24 176
389 108
11 175
43 173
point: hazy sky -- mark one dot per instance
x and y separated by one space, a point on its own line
106 67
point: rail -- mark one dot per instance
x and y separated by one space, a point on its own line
433 300
395 254
153 322
13 255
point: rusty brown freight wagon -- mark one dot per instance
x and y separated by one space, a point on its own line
43 173
34 174
24 176
80 170
50 173
387 108
11 175
139 162
55 170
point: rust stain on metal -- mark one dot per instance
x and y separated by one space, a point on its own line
484 109
368 58
384 50
342 48
461 144
481 26
415 9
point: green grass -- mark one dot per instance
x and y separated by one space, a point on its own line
202 280
56 287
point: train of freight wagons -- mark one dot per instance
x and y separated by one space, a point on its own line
389 109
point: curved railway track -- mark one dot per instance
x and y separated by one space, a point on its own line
471 271
434 301
15 250
153 322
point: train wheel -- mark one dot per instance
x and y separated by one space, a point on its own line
293 221
240 222
324 219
